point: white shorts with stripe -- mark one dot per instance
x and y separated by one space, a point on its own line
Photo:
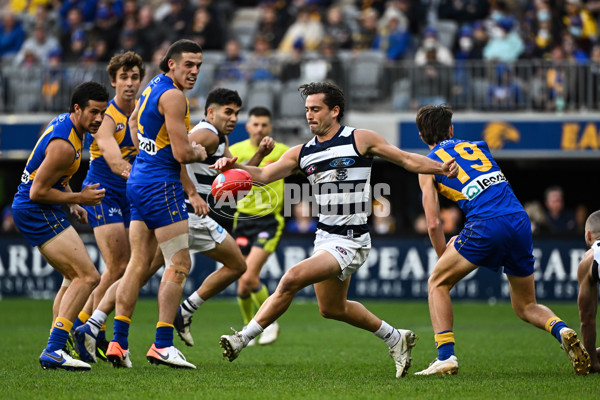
350 253
205 233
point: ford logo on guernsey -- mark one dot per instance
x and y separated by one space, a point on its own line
341 162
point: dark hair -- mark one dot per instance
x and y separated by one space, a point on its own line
87 91
434 123
334 96
259 112
126 60
222 96
176 50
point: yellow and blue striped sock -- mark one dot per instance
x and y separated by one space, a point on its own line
102 332
444 342
164 335
81 319
121 331
554 325
59 335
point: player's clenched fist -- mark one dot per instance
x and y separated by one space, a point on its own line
91 195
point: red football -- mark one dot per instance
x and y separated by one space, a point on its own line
230 183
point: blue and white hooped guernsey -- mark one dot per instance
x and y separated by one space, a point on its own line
199 173
596 263
340 179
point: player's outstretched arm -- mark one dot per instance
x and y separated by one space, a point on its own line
280 169
370 143
587 302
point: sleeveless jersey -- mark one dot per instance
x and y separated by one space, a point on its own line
199 173
596 262
340 179
480 190
60 127
155 161
99 170
266 199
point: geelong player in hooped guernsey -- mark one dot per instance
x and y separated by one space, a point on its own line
337 162
588 277
37 213
340 177
497 233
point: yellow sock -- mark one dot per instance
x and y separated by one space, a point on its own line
551 322
260 296
246 308
123 318
63 323
83 316
443 338
164 324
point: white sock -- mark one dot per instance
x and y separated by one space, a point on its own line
191 304
252 330
388 334
96 321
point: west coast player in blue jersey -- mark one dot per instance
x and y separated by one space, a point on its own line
38 214
588 277
158 210
338 161
497 233
112 152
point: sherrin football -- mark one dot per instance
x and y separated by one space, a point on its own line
230 183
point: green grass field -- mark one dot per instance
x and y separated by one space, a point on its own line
500 357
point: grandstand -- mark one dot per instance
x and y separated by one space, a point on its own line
521 75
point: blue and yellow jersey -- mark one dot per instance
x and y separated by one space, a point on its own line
99 170
481 190
155 161
61 127
261 200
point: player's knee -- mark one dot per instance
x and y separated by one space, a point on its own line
176 274
91 279
172 254
239 266
249 283
330 312
288 285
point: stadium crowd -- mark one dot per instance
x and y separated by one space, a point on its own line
492 55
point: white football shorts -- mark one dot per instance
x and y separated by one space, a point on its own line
350 253
205 233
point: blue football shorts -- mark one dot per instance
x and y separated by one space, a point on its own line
499 242
158 204
114 207
40 224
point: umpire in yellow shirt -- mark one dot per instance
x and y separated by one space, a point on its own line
258 220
